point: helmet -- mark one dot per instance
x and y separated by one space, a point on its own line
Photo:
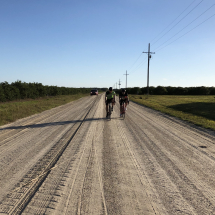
123 90
110 88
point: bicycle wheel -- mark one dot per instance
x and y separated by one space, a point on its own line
109 111
123 115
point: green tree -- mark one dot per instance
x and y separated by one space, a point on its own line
159 90
2 96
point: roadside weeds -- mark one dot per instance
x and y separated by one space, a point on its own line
12 111
199 110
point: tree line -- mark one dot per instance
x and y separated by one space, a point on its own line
161 90
22 90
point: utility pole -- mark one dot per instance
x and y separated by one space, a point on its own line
119 83
126 78
149 56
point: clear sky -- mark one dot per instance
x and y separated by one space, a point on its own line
91 43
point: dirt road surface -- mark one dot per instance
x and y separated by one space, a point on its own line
72 160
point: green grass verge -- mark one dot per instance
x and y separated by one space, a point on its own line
199 110
11 111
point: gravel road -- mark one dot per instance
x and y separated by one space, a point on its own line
72 160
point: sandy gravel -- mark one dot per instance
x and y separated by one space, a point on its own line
148 163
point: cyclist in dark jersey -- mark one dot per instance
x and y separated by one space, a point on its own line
123 96
109 98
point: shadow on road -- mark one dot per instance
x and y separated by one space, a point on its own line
51 124
203 109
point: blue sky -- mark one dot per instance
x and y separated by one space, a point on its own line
91 43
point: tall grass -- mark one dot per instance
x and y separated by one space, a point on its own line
11 111
199 110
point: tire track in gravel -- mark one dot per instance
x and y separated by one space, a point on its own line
38 117
75 169
15 160
165 134
16 129
149 194
175 124
148 163
191 137
124 192
110 172
189 188
40 130
30 176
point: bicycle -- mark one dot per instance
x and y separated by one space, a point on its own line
109 111
123 110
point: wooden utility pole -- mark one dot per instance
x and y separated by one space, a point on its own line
126 78
149 56
119 83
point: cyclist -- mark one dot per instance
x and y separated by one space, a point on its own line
109 98
123 96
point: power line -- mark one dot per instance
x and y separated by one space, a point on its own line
173 21
178 21
133 64
174 34
185 27
187 32
142 62
135 61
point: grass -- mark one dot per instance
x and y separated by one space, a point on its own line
199 110
11 111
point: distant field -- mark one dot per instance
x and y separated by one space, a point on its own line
199 110
11 111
